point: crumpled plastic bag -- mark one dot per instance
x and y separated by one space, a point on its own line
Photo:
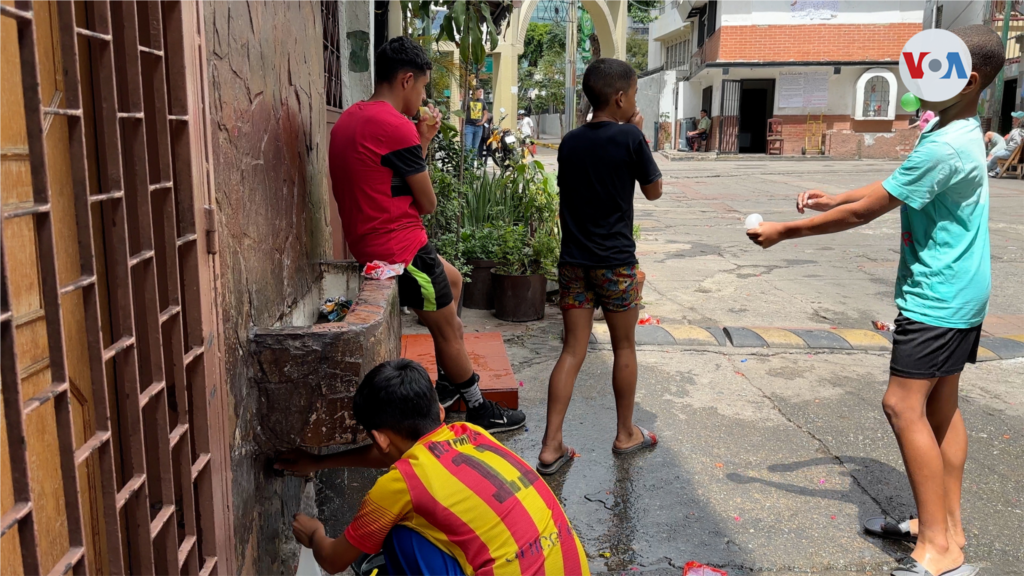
378 270
697 569
335 309
648 320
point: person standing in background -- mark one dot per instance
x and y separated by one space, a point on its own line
477 116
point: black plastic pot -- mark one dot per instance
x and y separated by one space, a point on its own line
519 298
478 292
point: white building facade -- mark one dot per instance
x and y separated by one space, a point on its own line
828 70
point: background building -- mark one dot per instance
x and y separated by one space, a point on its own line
801 62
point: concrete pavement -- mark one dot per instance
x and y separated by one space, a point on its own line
804 449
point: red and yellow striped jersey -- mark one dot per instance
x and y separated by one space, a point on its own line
475 499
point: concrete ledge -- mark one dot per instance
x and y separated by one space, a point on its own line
992 348
306 376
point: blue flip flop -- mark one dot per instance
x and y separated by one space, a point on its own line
914 568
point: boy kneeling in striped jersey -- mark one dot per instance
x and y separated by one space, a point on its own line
454 500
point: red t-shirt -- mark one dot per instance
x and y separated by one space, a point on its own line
374 148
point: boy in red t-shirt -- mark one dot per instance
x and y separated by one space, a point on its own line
380 180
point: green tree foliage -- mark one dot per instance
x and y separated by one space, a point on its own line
473 25
636 52
640 10
547 73
534 44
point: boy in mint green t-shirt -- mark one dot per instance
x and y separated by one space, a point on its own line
942 291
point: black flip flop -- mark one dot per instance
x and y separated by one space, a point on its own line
553 467
885 527
650 441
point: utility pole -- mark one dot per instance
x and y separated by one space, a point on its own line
570 67
998 104
928 21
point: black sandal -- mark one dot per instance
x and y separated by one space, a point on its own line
885 527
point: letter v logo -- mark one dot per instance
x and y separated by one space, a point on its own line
915 68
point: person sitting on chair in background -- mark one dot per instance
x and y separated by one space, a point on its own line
994 144
1012 140
702 131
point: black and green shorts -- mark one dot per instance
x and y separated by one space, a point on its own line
424 284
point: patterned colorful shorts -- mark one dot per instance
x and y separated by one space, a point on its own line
614 289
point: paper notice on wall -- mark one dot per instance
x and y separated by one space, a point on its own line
814 9
803 89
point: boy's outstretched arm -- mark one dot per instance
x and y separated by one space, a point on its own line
822 202
874 202
332 554
302 463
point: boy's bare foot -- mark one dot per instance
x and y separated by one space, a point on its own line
936 560
646 440
551 452
634 438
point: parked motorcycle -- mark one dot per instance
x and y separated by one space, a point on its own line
503 145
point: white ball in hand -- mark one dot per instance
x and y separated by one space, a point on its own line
753 221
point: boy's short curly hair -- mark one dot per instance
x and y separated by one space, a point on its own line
988 55
604 79
399 55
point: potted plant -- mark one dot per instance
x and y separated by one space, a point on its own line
520 287
479 248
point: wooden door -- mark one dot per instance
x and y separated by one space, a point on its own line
114 457
26 300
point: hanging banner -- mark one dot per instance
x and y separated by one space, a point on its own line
803 89
814 9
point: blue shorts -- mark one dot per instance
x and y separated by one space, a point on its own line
407 552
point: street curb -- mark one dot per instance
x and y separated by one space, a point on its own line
546 145
991 348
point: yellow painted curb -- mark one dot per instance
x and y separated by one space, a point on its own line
691 335
600 332
984 354
779 338
863 339
1017 337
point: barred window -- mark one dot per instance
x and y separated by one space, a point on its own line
677 54
332 52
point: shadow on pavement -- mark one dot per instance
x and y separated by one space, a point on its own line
867 476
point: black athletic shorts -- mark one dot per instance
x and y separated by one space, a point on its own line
424 284
922 351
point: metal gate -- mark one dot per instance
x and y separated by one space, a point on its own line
110 258
729 125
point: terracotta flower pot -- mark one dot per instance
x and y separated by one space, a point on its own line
640 277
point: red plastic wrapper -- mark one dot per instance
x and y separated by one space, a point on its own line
883 326
378 270
697 569
648 320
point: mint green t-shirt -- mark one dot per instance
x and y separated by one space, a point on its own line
944 277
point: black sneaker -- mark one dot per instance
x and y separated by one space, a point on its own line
446 393
494 417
